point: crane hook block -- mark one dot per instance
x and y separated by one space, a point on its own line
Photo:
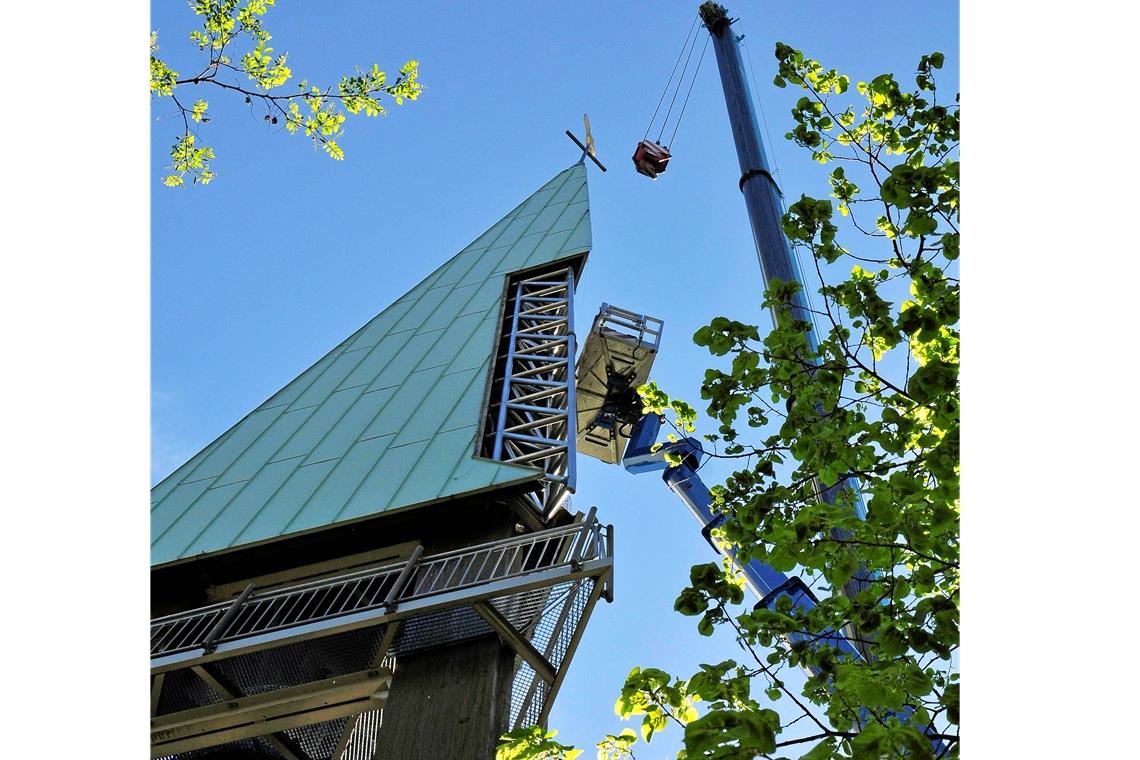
650 158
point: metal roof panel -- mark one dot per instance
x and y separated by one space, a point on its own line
166 512
477 351
463 345
397 413
349 429
192 523
435 407
386 420
380 327
242 436
246 501
287 395
267 447
279 510
346 480
176 478
310 434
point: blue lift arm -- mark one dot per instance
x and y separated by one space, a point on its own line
767 583
615 359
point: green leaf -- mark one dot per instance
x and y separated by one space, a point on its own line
875 391
226 24
533 743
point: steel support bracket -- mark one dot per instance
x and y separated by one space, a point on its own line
515 640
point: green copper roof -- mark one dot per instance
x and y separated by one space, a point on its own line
385 420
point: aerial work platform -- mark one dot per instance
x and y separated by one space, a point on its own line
615 360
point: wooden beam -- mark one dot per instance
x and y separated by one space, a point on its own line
218 683
315 571
173 746
290 700
156 692
269 713
522 647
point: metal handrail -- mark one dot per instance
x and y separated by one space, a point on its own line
380 587
628 324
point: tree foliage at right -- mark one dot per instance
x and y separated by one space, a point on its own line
874 406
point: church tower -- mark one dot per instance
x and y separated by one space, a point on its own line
381 560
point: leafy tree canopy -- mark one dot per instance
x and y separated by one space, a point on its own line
876 403
238 59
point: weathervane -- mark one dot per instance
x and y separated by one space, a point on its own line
588 149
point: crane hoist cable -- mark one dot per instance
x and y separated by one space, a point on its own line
693 81
743 40
677 89
674 71
652 157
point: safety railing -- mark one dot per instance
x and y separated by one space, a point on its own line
415 586
643 330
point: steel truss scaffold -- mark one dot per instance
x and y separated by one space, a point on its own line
533 417
209 664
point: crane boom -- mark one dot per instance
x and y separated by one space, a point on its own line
762 199
635 442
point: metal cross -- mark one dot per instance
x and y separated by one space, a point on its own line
588 149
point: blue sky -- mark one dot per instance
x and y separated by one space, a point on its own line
287 252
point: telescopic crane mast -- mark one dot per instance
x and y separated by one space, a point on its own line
762 199
634 449
617 331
